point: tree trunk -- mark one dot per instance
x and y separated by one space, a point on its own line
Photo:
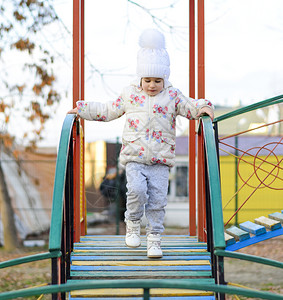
7 214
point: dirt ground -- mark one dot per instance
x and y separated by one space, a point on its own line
256 275
245 273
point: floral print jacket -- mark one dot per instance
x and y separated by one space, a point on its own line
150 128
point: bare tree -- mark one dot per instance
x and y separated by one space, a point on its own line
27 83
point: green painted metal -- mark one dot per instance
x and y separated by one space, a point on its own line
184 280
141 274
249 257
30 258
59 184
145 284
261 104
146 294
214 184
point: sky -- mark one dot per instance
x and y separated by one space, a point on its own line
243 53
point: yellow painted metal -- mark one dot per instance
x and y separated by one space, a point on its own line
142 263
138 292
140 250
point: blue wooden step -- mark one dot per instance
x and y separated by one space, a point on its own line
253 228
107 257
276 216
237 233
268 223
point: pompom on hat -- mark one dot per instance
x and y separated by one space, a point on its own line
152 59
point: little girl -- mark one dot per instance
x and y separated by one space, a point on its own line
151 105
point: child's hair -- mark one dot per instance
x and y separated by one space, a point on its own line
153 59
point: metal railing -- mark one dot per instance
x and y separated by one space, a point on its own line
210 195
145 284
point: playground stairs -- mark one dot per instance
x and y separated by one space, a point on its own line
104 257
249 233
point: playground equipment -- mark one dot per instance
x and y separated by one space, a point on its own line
257 178
94 267
100 267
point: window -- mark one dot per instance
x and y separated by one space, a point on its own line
181 181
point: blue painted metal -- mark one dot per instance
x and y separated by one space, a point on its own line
140 248
141 268
255 239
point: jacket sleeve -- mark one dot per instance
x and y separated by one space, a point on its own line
189 107
96 111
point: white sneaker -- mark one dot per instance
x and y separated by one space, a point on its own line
133 239
153 246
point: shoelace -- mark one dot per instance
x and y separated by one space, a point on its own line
133 230
154 244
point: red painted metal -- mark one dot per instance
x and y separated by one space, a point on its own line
192 140
201 69
256 167
249 130
192 135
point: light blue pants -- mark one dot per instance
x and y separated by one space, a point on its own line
147 193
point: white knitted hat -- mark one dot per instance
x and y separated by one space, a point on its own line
153 59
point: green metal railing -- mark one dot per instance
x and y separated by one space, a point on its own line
145 284
214 184
214 194
55 235
252 107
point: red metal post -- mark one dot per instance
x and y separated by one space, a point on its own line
192 140
201 70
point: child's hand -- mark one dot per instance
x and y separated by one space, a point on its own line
206 111
73 111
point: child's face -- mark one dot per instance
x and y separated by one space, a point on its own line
152 85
